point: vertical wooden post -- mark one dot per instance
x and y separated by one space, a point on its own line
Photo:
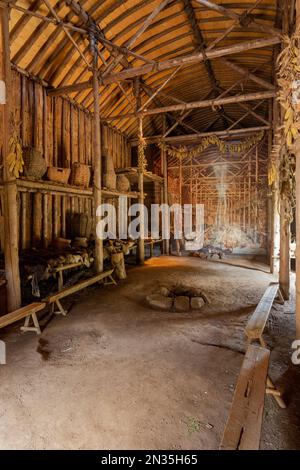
165 183
45 126
249 194
45 220
180 181
270 196
256 195
37 219
63 216
284 265
141 240
298 214
97 157
10 193
244 206
285 232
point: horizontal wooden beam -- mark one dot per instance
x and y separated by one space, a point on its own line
191 59
246 73
169 64
244 19
212 103
261 95
189 138
65 90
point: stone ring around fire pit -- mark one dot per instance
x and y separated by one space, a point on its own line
177 299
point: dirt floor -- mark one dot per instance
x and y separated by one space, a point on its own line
122 376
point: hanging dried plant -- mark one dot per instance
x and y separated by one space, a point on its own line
15 157
287 137
287 183
224 147
142 161
288 66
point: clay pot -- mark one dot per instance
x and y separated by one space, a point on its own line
123 184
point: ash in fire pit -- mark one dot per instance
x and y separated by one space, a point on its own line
177 299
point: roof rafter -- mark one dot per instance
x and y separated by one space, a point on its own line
168 64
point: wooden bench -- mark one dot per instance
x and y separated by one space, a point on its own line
56 298
256 325
243 428
28 312
257 322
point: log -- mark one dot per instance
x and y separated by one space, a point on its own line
37 219
298 214
285 231
45 221
165 184
97 160
196 137
169 64
118 263
11 225
262 95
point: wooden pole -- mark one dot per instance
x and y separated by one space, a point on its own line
180 181
249 194
37 221
284 265
97 157
244 206
256 195
11 221
285 231
298 214
191 138
141 241
165 183
261 95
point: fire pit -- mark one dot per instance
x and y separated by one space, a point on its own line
177 299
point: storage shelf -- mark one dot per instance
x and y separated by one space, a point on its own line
27 185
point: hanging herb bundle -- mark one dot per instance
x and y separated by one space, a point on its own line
288 64
287 138
15 157
224 147
142 161
287 182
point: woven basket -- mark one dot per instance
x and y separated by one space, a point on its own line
59 175
34 163
81 175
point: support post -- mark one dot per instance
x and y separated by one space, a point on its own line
275 203
165 183
10 193
298 214
141 240
284 265
285 230
97 156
